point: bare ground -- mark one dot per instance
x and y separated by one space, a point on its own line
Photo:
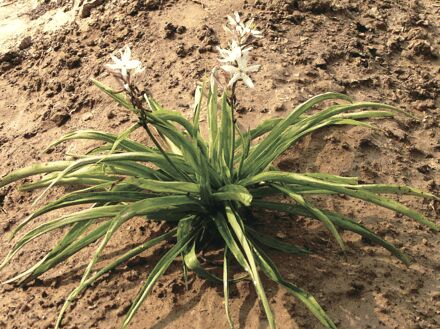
385 51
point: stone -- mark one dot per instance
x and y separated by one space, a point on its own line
25 43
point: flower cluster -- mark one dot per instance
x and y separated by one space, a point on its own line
235 58
240 31
123 68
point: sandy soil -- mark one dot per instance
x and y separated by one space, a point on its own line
382 50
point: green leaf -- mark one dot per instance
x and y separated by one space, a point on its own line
159 186
226 132
281 126
125 144
130 156
233 192
35 169
291 134
76 198
238 227
192 262
292 178
340 221
117 96
84 215
246 145
154 275
197 107
226 287
315 211
123 136
63 250
276 244
308 300
212 119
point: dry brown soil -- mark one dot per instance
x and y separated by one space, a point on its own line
381 50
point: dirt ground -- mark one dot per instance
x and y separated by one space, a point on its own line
381 50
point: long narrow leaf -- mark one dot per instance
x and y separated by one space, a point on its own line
154 275
226 287
292 178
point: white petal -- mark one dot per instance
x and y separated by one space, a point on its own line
124 73
139 69
236 53
242 62
132 64
234 78
230 69
127 54
247 80
223 52
231 21
256 33
115 59
113 67
240 30
234 44
252 68
237 17
227 29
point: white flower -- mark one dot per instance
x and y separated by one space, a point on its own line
232 54
241 70
124 65
235 58
241 31
248 28
234 21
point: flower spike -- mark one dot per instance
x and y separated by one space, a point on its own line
235 57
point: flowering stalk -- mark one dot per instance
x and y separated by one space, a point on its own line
123 69
235 58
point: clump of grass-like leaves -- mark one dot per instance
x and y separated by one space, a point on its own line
205 189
